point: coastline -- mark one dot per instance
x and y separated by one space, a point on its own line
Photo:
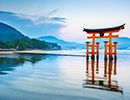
54 52
6 52
21 51
43 52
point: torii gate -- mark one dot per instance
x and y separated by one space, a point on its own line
102 33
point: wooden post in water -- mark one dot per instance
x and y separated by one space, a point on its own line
109 72
97 65
110 47
115 57
93 72
105 49
87 64
97 49
87 49
93 47
115 63
105 67
115 50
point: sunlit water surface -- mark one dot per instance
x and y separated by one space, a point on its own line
51 77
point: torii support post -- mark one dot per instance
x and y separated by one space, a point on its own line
97 49
87 65
110 72
93 46
97 65
115 50
115 64
110 46
93 72
92 52
105 49
105 68
87 49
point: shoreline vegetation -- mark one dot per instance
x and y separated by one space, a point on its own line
27 43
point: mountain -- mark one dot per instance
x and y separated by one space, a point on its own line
62 43
123 42
8 33
10 38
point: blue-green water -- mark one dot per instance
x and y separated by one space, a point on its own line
51 77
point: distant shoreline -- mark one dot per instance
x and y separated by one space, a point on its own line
48 52
42 52
21 51
6 52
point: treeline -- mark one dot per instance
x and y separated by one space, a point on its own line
25 44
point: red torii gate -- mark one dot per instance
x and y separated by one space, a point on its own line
102 33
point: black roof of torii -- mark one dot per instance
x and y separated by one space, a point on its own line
104 30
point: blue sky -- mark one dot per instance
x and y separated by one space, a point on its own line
78 14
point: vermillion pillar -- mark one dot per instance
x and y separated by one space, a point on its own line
109 73
93 72
87 65
105 68
97 49
87 49
115 50
110 47
93 46
105 49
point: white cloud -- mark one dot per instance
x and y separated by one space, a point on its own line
42 19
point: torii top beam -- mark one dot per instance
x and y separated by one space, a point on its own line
104 30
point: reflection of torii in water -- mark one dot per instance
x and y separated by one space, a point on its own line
93 80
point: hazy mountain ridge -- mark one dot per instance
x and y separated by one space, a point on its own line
123 42
62 43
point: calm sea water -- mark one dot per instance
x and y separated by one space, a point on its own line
51 77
